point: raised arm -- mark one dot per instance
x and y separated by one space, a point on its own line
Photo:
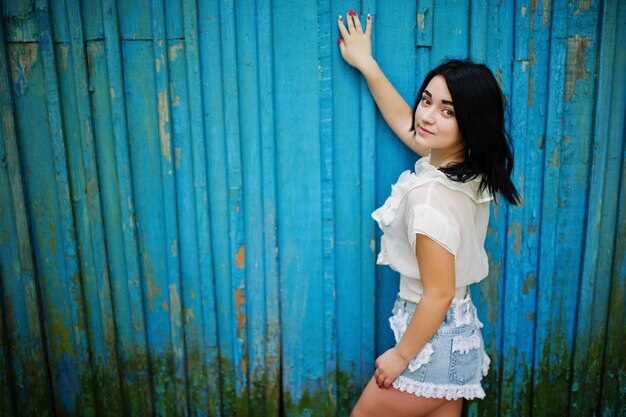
356 50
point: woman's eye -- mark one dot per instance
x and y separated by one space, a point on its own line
448 112
425 100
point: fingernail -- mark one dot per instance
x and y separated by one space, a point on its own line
339 40
340 18
369 17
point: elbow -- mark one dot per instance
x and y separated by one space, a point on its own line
442 296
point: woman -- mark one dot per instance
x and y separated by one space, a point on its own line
434 226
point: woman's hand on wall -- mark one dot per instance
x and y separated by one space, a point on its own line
354 43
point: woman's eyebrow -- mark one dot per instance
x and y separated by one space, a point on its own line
443 101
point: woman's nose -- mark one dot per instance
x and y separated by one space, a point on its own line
427 115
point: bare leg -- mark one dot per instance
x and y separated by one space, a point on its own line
449 409
381 402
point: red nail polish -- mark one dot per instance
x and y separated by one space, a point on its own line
339 40
369 17
340 18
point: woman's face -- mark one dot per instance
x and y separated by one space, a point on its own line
435 121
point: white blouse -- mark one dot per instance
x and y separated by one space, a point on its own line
451 213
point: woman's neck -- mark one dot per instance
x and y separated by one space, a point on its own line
443 157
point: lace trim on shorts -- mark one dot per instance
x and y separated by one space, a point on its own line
398 323
449 392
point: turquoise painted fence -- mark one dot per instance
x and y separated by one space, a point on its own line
186 189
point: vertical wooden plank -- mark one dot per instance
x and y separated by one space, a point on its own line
237 290
603 197
522 243
567 150
214 128
395 57
330 167
489 295
196 260
268 173
613 393
84 187
300 234
176 367
119 216
50 209
367 242
253 210
146 166
25 380
451 30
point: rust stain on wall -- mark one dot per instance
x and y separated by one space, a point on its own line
576 67
22 60
164 118
241 315
516 228
240 257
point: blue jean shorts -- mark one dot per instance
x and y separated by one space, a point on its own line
453 362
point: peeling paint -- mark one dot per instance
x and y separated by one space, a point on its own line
555 160
523 11
175 98
164 118
421 20
64 50
159 61
173 51
531 229
177 157
576 67
112 93
516 228
173 248
582 5
546 13
241 315
532 58
530 283
22 60
240 257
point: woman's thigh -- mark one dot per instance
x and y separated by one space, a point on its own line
380 402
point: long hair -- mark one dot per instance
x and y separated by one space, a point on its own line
479 109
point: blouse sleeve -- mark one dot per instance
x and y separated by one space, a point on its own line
428 214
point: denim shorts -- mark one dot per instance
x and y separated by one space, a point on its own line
453 362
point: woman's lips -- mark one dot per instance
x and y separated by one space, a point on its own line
422 130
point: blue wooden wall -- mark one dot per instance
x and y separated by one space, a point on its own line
186 189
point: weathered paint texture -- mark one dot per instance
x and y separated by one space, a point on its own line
186 189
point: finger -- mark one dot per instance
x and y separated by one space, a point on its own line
351 18
342 46
387 382
381 380
357 22
368 26
342 27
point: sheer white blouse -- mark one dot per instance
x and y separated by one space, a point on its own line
451 213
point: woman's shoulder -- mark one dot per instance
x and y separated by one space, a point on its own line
436 184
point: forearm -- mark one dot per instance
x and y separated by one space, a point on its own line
394 109
429 313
